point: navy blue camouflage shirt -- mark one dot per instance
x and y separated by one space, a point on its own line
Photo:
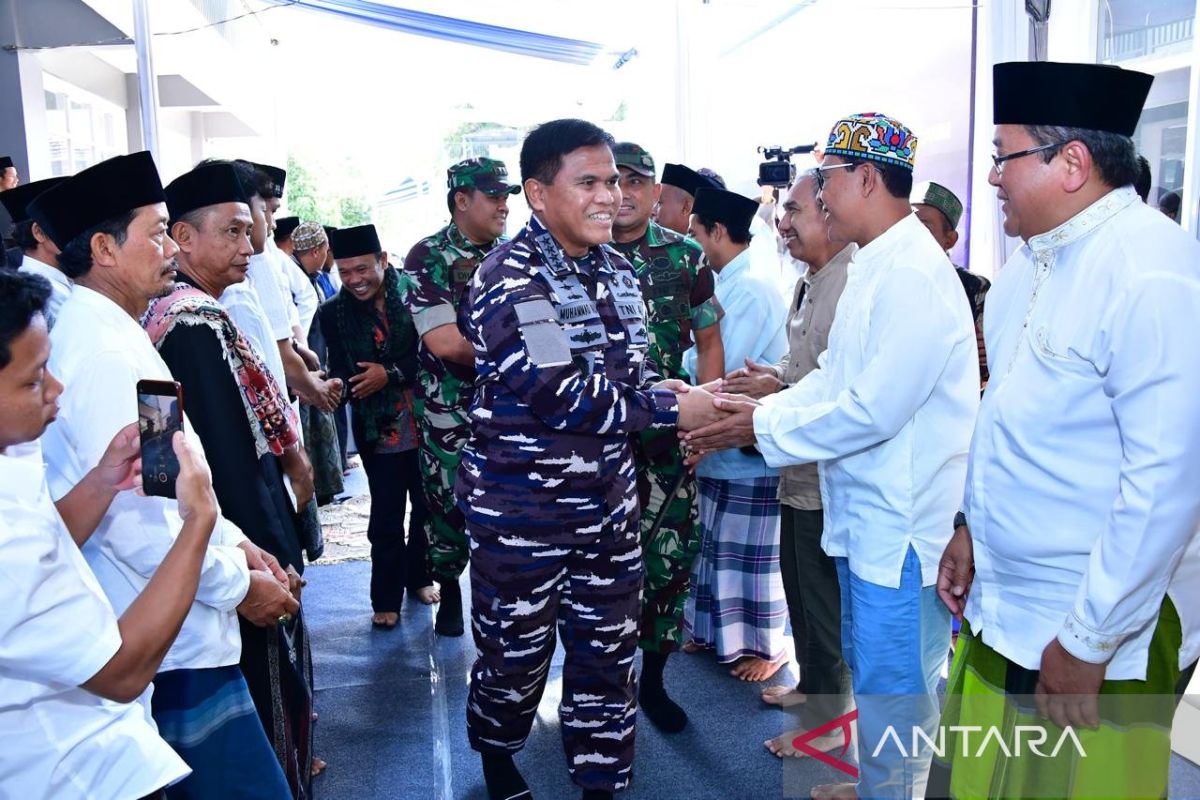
562 381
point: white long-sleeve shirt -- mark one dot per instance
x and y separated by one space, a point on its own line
1083 492
100 353
889 410
57 630
60 285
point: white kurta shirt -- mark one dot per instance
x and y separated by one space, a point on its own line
1083 493
57 630
299 287
100 353
60 285
889 410
265 279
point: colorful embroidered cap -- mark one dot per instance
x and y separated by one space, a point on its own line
635 157
941 198
307 236
485 174
873 137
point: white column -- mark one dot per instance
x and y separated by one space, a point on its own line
1189 210
146 79
1003 35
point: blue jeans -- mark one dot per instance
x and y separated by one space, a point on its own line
895 642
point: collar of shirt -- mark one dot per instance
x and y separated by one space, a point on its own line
842 256
735 267
39 267
107 312
595 255
466 248
1084 222
879 251
22 473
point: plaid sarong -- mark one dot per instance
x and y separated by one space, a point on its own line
1128 756
736 602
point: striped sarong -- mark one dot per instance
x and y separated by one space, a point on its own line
736 602
208 717
1128 756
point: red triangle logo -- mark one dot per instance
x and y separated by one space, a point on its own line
841 723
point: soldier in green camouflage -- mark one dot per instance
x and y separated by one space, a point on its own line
437 273
681 311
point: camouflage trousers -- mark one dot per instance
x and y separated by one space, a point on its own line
445 528
522 587
669 554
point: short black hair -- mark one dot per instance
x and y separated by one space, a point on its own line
75 259
739 234
1144 179
22 235
1169 203
467 190
1113 154
25 296
897 180
544 147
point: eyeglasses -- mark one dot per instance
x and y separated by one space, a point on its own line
822 170
998 161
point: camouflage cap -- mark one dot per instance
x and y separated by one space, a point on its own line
941 198
485 174
634 156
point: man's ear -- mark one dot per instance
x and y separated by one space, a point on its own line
383 259
658 192
535 194
951 240
104 249
1078 166
871 180
39 234
688 202
184 236
461 201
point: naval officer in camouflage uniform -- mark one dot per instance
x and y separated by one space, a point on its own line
437 272
547 481
681 311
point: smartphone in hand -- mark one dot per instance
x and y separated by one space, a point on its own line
160 414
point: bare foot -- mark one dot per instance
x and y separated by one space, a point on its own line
691 647
783 696
781 746
385 619
429 594
834 791
317 767
752 668
315 716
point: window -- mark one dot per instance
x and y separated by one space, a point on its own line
1131 29
83 128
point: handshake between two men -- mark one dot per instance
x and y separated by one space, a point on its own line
719 415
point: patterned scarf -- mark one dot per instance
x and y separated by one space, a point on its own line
273 421
356 326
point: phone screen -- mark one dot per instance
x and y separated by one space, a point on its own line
160 414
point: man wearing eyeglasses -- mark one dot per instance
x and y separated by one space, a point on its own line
1076 562
887 415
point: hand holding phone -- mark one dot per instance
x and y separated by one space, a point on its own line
160 416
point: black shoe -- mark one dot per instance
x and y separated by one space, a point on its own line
661 710
449 619
503 780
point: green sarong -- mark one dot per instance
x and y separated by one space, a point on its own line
1010 752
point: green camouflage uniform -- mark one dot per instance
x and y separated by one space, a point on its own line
679 294
437 274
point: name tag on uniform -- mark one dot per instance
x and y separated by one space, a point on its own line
545 343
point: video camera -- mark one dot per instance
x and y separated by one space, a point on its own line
778 170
